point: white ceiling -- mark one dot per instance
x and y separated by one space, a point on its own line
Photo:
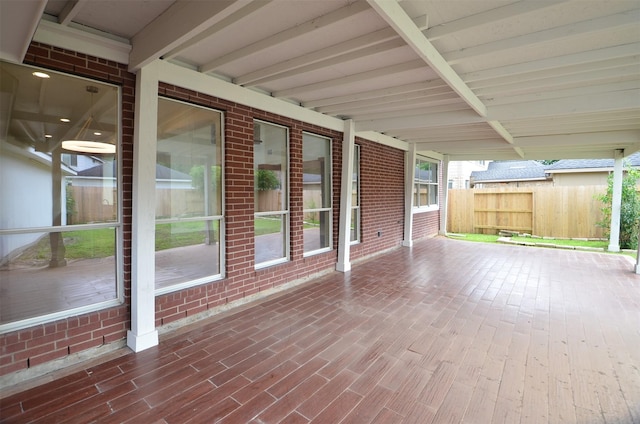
491 79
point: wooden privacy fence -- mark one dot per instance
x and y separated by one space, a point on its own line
561 212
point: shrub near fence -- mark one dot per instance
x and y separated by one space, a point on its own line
561 212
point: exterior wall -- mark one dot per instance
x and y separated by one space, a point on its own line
382 212
580 178
427 224
460 172
29 347
381 199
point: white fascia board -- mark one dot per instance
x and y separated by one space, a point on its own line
79 41
202 83
577 170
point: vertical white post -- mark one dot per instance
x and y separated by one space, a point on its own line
616 202
409 178
444 202
143 333
346 192
638 256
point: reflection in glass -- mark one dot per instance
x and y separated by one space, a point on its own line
188 193
355 199
46 188
316 168
270 192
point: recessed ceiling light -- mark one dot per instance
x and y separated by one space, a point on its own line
40 74
65 120
48 136
97 133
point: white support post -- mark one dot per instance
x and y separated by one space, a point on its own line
409 178
616 203
444 203
346 191
143 333
638 256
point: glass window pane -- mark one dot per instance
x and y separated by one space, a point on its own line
316 168
58 167
189 142
270 192
186 251
317 230
355 226
270 168
188 185
270 238
53 272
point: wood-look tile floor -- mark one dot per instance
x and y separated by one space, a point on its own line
446 331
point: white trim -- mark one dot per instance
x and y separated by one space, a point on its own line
410 177
346 190
143 333
85 42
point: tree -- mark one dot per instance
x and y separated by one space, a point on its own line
629 208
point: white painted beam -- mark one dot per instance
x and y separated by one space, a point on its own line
276 71
69 11
143 333
488 17
616 203
296 31
383 139
346 192
581 139
85 42
397 18
178 24
409 179
234 17
460 105
421 121
18 23
552 63
376 94
552 35
336 82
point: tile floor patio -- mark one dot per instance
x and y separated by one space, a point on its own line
447 331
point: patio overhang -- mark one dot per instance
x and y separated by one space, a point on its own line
469 80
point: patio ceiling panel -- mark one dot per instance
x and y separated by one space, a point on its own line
419 71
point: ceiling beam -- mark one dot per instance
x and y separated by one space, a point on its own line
591 103
353 46
408 99
337 61
234 17
582 139
288 34
18 23
459 117
397 18
553 35
376 94
69 11
486 18
551 63
178 24
336 82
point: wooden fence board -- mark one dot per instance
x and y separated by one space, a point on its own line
547 211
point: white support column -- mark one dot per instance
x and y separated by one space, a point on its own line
143 333
616 202
409 177
444 203
346 191
637 268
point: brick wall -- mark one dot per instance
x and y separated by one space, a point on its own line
42 343
242 279
381 198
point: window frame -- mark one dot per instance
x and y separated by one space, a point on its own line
328 208
417 183
284 213
211 218
356 209
116 225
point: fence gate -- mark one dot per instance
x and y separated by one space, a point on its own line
499 210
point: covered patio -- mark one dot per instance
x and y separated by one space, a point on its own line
444 331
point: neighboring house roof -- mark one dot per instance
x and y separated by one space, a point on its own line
591 164
162 172
512 170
